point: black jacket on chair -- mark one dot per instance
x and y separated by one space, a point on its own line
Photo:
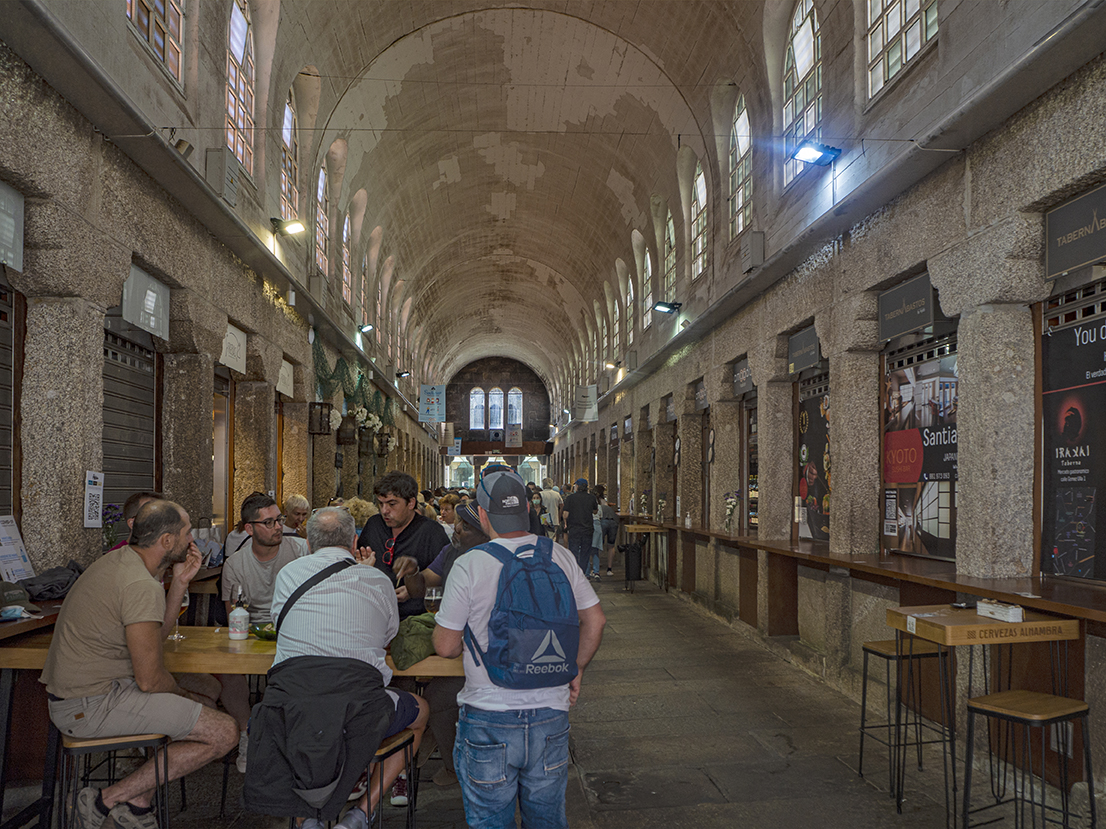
319 724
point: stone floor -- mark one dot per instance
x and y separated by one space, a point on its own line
682 721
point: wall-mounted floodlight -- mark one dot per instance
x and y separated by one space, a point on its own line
612 365
287 227
811 152
366 328
402 374
667 307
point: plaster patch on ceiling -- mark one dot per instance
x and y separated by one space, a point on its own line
449 171
623 189
502 205
584 70
507 160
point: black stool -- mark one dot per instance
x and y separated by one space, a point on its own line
887 650
403 741
73 749
1031 709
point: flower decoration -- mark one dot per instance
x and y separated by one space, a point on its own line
335 418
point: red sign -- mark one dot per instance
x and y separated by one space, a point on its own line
902 456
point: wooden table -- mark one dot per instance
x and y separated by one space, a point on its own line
204 650
950 627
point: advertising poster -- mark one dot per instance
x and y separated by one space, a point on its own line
919 459
1074 438
431 404
815 482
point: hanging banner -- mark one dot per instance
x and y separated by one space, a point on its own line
453 448
585 407
803 350
814 468
431 404
447 433
514 437
919 458
1073 386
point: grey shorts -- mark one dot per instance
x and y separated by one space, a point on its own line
124 711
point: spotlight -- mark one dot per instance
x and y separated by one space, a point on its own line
366 328
812 152
402 374
287 227
667 307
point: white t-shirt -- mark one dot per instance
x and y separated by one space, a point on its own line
258 577
470 595
552 502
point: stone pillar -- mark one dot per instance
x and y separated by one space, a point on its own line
324 479
776 438
643 456
603 473
186 436
725 419
254 439
62 413
626 464
664 472
296 455
691 461
348 472
989 279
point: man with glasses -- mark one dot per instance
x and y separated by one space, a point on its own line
254 568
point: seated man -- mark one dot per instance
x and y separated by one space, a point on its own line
104 674
331 646
254 569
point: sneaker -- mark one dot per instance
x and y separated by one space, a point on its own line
444 777
87 815
399 792
359 789
126 818
610 572
353 819
243 747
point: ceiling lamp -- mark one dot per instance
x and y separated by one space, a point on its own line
811 152
287 227
667 307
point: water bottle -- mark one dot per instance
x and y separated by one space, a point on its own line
239 618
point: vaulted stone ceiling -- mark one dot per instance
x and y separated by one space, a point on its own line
508 153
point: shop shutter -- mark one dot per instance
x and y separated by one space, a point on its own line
7 397
129 427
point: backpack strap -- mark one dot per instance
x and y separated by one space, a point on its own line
322 575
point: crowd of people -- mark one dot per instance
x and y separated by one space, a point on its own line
331 692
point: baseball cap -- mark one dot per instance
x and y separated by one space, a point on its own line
469 514
582 482
503 497
14 594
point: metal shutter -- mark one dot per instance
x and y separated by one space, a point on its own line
129 427
7 396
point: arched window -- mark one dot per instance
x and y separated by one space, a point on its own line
322 222
616 327
495 409
802 85
669 259
289 162
629 310
379 309
160 25
896 33
647 302
364 290
240 76
698 223
514 407
741 180
347 273
476 408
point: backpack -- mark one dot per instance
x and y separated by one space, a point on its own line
534 629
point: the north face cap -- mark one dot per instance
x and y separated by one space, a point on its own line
503 496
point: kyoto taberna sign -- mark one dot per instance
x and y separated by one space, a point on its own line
1075 233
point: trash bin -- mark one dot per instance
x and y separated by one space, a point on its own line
632 554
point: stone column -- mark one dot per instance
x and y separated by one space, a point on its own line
186 435
296 456
664 471
989 279
626 464
691 460
643 455
324 479
725 419
850 339
604 474
62 413
776 438
254 439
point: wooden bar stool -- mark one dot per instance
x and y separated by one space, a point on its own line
1031 709
74 749
885 733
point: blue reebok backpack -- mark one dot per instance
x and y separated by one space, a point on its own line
534 629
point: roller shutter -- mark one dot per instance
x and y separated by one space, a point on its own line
129 423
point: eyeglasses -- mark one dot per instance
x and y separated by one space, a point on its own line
269 523
389 551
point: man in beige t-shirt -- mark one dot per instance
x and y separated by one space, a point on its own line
104 674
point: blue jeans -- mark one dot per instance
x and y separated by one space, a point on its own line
504 757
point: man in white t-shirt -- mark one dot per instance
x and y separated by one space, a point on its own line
522 735
552 501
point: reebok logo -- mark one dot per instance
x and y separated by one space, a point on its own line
510 501
549 650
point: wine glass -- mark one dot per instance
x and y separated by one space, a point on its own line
433 599
177 636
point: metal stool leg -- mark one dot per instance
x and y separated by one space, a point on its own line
1089 773
969 752
863 715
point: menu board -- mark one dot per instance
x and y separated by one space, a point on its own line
815 482
1074 438
920 457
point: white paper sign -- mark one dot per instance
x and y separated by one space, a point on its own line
911 624
585 406
14 564
93 499
514 437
